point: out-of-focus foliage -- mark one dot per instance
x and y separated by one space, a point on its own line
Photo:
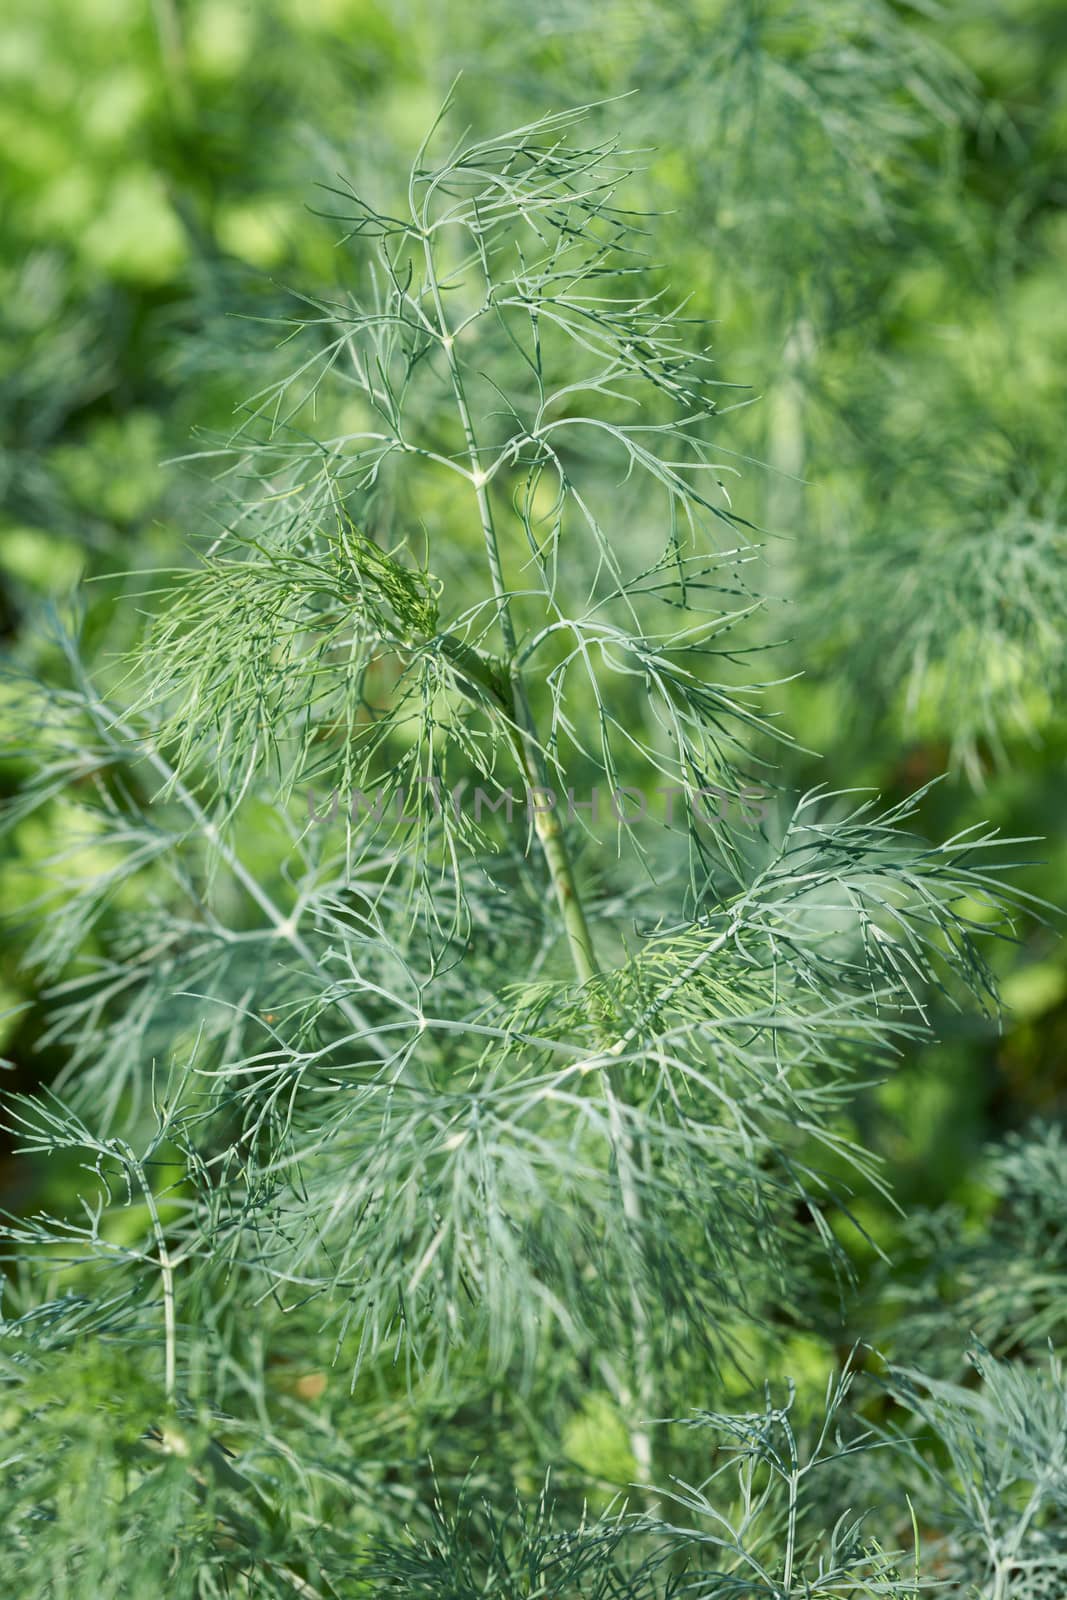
866 202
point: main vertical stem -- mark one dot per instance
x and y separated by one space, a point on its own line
560 869
546 822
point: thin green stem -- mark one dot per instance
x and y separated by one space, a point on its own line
553 843
528 745
166 1268
284 926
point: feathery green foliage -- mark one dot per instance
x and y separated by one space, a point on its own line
399 1100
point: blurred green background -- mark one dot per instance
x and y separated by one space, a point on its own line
867 199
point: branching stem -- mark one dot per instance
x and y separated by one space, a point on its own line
284 927
529 752
528 745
